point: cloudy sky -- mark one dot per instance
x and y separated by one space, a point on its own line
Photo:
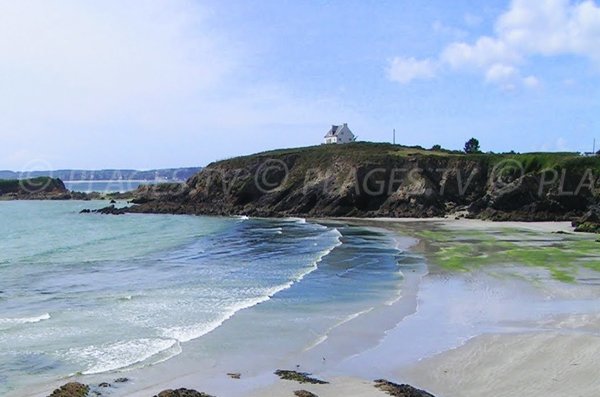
161 83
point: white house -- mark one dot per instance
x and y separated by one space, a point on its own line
339 134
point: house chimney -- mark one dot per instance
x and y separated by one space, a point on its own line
345 124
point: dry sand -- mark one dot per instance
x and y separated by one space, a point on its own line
537 364
540 364
338 387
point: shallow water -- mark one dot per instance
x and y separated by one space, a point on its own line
91 294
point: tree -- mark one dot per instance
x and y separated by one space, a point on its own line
472 146
437 148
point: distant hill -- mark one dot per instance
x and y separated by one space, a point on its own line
166 174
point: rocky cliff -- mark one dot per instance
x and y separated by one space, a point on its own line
382 180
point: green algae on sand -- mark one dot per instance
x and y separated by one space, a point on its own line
563 255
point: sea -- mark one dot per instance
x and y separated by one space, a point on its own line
96 295
109 186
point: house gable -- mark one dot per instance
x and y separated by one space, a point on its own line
339 134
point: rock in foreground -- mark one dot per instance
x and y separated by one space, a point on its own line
300 377
72 389
397 390
182 393
304 393
590 222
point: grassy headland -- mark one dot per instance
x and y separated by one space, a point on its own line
379 179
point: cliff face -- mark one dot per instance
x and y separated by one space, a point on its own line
41 188
380 180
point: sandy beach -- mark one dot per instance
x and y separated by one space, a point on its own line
489 331
557 355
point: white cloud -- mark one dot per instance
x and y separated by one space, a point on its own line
86 60
505 76
405 70
529 28
531 82
485 52
142 83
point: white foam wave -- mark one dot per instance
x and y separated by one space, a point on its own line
195 331
124 354
25 320
349 318
242 218
293 219
277 230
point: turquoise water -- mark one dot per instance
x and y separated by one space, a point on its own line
91 294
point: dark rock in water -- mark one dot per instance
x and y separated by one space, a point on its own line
113 202
587 227
397 390
590 222
300 377
85 211
121 380
234 375
104 384
182 393
304 393
72 389
111 210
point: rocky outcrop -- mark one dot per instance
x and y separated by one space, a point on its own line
381 180
304 393
72 389
110 210
396 390
300 377
42 188
182 393
590 222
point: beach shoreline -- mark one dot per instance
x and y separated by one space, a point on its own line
459 364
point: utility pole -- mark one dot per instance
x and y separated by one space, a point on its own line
594 149
394 139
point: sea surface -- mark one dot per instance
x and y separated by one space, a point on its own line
114 186
89 294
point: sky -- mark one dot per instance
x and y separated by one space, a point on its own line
167 83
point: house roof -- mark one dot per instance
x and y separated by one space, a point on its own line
333 131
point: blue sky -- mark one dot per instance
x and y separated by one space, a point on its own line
151 83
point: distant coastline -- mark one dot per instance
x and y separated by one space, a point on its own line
73 175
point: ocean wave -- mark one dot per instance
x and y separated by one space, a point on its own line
190 332
277 230
345 320
24 320
294 219
124 354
